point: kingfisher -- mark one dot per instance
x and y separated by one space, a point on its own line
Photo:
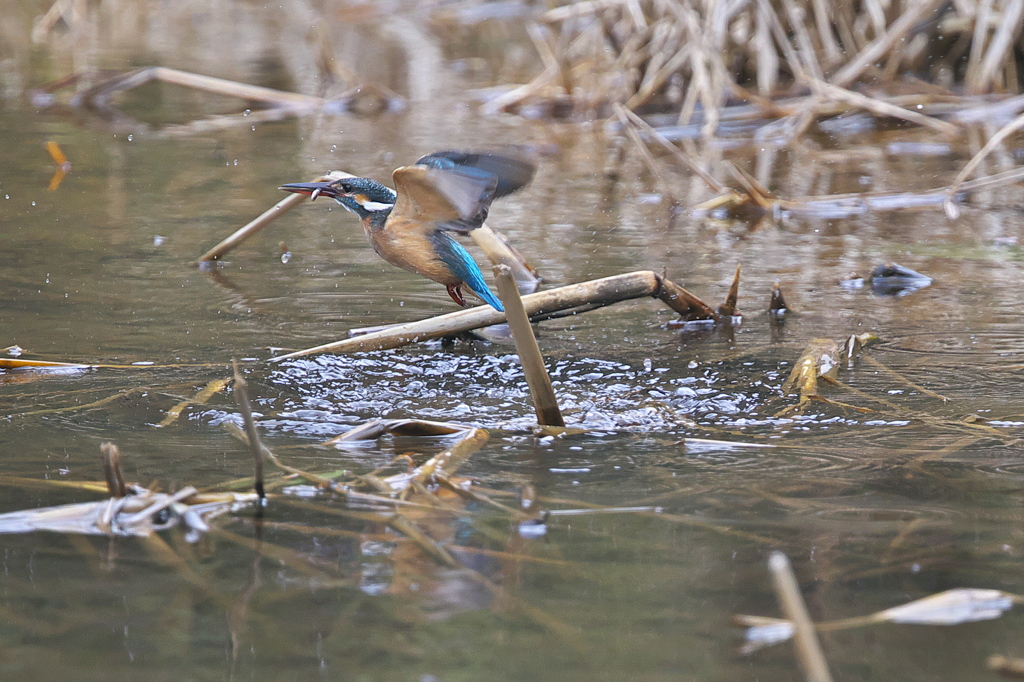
442 193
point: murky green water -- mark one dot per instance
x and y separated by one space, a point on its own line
875 507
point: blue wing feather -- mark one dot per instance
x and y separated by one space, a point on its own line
464 267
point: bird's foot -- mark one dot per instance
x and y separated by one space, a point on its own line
455 291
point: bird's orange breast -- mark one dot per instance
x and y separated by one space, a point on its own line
406 244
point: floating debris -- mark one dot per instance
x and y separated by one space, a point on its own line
777 307
892 279
820 358
1010 668
62 163
952 607
9 363
855 344
131 510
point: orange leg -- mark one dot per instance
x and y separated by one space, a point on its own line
455 291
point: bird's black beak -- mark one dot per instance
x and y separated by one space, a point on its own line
313 189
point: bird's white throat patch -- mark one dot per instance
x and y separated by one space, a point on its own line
368 205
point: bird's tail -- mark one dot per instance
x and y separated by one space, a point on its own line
488 297
465 268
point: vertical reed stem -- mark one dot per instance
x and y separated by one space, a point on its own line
805 637
242 397
537 377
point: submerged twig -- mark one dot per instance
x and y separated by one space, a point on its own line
207 392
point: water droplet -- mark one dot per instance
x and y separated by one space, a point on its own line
131 137
246 112
235 162
33 203
286 256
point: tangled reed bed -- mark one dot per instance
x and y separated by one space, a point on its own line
696 57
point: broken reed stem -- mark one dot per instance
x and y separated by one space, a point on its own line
544 400
264 219
598 292
728 309
948 205
499 252
787 590
242 397
99 94
112 470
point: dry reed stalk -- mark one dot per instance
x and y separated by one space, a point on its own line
804 48
530 357
789 53
823 23
630 119
112 470
871 53
649 161
100 94
882 108
729 308
982 21
499 252
599 292
805 638
255 446
767 59
264 219
952 211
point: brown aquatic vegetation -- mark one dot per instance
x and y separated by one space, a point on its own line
693 58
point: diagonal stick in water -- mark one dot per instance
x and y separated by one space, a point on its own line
808 649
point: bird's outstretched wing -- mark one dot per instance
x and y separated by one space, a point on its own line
454 190
451 200
512 167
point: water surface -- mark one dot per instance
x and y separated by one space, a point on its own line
875 507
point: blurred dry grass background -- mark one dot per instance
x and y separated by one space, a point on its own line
695 69
689 57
